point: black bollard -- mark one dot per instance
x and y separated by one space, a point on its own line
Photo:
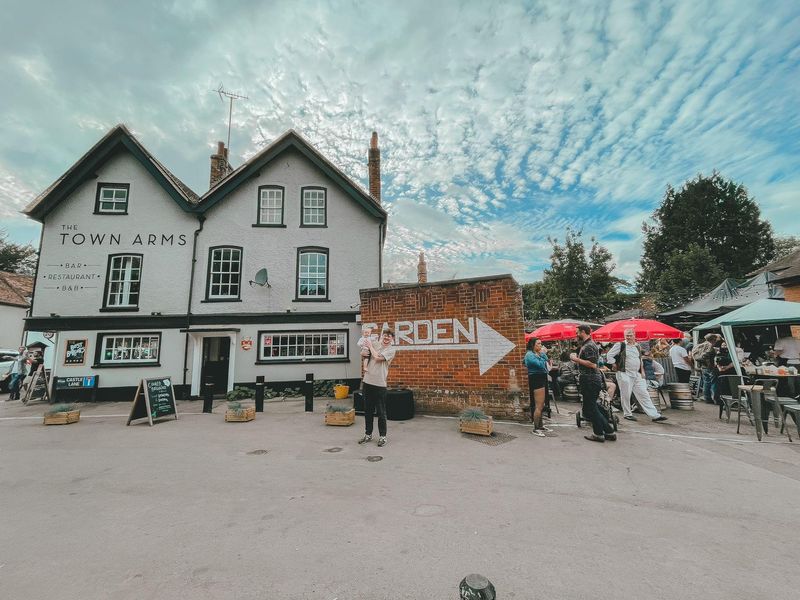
259 393
208 395
309 391
476 587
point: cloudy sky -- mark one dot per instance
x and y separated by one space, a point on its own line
500 123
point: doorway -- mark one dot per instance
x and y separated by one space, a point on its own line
214 366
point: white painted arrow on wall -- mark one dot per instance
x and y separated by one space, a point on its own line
491 346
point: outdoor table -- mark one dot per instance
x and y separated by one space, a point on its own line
755 400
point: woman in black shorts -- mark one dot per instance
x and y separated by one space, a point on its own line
536 363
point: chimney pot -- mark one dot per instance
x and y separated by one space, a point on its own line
374 167
219 165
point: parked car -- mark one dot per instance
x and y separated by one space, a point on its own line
7 357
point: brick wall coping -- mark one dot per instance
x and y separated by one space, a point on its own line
400 286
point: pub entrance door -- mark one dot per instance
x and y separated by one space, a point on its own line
216 353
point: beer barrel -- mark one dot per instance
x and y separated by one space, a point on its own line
571 392
680 396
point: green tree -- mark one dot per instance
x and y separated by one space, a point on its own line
686 275
577 284
786 244
713 213
16 258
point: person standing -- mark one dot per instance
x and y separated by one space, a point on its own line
18 372
681 361
787 349
375 385
537 365
630 377
591 382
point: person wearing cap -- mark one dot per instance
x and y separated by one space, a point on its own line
630 377
375 384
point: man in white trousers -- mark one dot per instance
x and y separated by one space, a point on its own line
630 376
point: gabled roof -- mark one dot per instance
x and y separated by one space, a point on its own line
761 312
119 138
15 289
786 267
290 139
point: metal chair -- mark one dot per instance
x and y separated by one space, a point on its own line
794 410
733 398
771 400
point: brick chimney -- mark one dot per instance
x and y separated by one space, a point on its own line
422 269
219 165
374 167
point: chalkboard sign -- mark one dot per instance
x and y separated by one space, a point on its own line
38 389
155 399
75 352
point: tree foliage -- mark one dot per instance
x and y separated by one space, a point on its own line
692 269
577 284
711 213
16 258
786 244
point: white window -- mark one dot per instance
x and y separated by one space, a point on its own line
134 349
224 273
314 207
270 206
302 345
112 198
123 280
312 274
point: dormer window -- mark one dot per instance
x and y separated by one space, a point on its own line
314 207
112 199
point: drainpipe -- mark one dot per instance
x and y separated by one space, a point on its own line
202 220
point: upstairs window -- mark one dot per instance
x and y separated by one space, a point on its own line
314 209
224 273
270 205
123 279
312 274
112 199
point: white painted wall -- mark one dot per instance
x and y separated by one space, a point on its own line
12 321
352 237
151 212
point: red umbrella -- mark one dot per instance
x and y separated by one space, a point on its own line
646 329
556 330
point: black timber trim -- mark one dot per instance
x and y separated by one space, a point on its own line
291 140
110 259
318 250
324 206
208 274
117 141
258 222
285 318
104 185
98 350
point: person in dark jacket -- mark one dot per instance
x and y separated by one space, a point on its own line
538 369
591 383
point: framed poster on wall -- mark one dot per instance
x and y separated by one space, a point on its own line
75 352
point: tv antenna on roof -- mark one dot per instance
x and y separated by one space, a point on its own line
231 97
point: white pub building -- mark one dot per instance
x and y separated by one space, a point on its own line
140 277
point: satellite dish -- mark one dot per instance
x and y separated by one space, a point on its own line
262 279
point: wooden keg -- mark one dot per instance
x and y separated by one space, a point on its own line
680 395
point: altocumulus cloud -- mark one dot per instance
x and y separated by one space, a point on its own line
500 123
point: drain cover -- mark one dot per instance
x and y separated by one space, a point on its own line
334 449
374 458
257 452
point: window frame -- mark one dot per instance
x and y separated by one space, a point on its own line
209 297
317 250
258 222
121 308
261 360
99 363
115 186
324 207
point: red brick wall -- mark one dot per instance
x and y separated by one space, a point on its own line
792 294
445 381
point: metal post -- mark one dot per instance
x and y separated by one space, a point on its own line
208 395
259 393
309 391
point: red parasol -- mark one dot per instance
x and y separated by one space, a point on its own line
646 329
555 330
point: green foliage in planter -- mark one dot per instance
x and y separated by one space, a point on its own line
472 413
337 408
239 393
59 408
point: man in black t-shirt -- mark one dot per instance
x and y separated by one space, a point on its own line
591 382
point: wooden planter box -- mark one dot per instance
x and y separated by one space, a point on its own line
240 416
62 418
341 418
477 427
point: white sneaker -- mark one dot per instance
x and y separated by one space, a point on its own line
381 441
365 439
538 432
546 429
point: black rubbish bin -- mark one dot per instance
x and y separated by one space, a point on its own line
399 404
358 402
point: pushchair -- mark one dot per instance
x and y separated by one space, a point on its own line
604 405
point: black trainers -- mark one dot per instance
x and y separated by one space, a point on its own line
611 437
365 439
659 419
630 418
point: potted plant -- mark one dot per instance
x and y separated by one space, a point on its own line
236 411
62 414
339 414
474 420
